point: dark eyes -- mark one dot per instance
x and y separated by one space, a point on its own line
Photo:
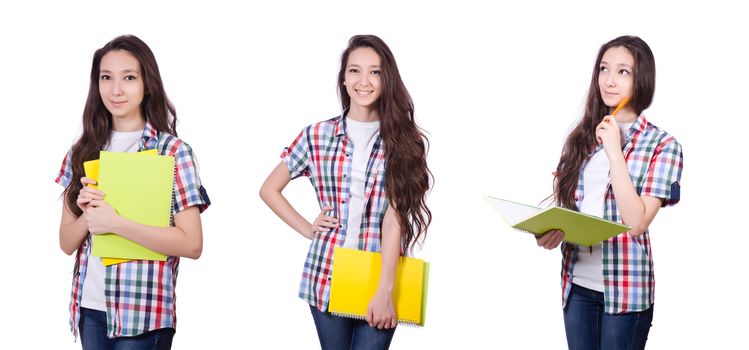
621 71
109 77
356 70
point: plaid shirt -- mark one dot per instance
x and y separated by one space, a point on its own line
140 294
654 160
323 152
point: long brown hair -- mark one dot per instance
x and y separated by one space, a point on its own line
97 120
407 177
582 139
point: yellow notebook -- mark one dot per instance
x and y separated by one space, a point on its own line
356 275
91 168
139 189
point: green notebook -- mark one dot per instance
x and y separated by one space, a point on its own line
139 189
581 229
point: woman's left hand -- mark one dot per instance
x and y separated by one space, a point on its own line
381 311
608 134
101 217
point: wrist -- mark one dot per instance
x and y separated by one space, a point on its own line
119 224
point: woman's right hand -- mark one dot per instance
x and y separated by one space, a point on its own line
551 239
88 193
324 222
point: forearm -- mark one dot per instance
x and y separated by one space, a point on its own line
630 204
283 209
390 251
172 241
72 234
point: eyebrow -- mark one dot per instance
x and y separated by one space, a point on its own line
124 71
358 66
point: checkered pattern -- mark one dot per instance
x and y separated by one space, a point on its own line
654 159
140 294
323 153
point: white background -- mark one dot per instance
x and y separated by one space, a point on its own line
496 86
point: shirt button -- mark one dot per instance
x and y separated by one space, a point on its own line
348 154
343 201
344 175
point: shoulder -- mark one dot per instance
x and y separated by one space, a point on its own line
170 145
325 127
659 137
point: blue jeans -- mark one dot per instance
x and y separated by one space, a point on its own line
336 332
93 328
589 327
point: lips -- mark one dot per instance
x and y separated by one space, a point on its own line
117 103
363 92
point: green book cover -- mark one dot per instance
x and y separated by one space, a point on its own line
139 189
424 290
579 228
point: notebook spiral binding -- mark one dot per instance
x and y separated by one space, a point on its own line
164 152
409 323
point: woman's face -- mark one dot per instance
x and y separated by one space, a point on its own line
616 75
121 84
362 77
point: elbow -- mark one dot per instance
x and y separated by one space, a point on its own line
66 250
267 193
637 230
195 251
264 193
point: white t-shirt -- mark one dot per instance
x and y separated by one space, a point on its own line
588 270
363 136
93 283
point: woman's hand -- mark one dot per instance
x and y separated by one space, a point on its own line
381 311
101 217
324 223
88 193
551 239
608 134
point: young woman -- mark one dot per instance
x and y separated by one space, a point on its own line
127 110
621 168
368 167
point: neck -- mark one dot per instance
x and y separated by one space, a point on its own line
363 114
128 123
625 115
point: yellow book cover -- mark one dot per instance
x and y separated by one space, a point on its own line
355 278
139 189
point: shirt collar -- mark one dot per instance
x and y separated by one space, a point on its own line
150 137
637 127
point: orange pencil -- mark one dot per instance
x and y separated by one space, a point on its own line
621 105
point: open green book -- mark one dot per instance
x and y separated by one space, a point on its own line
139 188
581 229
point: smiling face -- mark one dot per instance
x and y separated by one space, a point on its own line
121 84
616 75
362 78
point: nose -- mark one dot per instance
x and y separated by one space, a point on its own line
611 80
364 79
117 87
